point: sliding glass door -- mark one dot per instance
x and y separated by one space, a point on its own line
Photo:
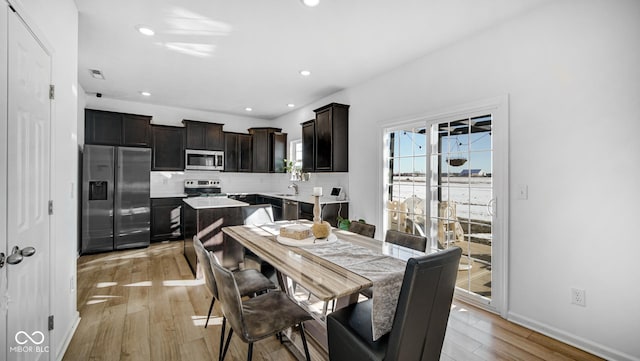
439 183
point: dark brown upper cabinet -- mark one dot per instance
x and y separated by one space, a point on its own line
308 144
269 149
325 140
167 148
203 135
112 128
237 152
136 130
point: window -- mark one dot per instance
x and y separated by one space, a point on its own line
295 152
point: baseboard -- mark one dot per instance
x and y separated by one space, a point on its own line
573 340
67 339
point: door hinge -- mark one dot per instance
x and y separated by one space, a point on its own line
50 207
52 91
50 322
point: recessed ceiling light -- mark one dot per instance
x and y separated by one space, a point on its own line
96 74
146 94
291 105
145 30
311 3
248 109
305 72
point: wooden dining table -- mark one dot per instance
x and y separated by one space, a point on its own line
325 280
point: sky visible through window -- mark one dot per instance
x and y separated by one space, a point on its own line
410 152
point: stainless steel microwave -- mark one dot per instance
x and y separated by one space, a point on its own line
204 159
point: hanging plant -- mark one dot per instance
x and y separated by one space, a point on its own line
456 162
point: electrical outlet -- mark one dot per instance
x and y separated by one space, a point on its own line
578 297
523 191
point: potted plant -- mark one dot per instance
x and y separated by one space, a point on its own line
294 170
343 223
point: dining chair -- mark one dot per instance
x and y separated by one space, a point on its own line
256 215
416 242
249 281
419 243
365 229
258 317
420 321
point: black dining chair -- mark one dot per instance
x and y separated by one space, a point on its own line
420 320
259 317
403 239
365 229
250 281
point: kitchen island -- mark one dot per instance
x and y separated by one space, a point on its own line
205 217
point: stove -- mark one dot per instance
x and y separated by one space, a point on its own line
203 188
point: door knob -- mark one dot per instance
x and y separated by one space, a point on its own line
17 254
28 251
15 257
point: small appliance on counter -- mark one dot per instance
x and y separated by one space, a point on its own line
338 192
203 188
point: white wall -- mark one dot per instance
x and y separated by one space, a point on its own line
571 71
57 22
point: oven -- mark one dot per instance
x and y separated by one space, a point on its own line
203 159
203 188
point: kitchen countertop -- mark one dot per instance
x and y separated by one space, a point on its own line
298 198
168 195
213 202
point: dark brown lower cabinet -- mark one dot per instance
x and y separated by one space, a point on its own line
330 212
166 219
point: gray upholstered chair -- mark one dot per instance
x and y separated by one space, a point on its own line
408 240
420 319
365 229
249 282
259 317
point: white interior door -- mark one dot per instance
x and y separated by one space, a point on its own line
28 178
3 177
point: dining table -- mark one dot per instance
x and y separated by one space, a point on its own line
327 274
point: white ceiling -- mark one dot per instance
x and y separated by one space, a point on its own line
224 56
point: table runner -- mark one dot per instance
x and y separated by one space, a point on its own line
386 274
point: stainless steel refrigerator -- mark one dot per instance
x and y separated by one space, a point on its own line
116 209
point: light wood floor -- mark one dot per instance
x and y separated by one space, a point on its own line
144 305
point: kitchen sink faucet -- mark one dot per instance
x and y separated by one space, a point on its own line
295 188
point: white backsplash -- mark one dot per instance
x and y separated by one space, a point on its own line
173 182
